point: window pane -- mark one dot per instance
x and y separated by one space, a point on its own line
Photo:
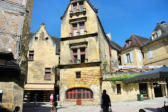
74 50
82 58
118 89
75 59
79 95
87 95
70 95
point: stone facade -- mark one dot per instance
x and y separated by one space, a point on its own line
42 62
11 88
130 91
15 18
86 52
137 57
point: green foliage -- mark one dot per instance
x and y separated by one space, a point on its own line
120 78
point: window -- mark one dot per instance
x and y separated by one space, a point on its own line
79 93
47 74
31 55
75 56
82 28
1 97
75 30
150 54
81 6
82 55
74 7
79 56
78 75
129 58
46 38
36 38
118 88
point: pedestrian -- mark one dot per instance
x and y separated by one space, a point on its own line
17 109
105 102
54 107
51 98
35 100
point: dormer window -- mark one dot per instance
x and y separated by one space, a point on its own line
36 38
74 7
46 38
81 6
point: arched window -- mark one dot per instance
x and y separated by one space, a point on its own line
79 93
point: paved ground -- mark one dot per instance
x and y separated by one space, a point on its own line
134 106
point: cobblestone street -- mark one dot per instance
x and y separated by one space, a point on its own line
134 106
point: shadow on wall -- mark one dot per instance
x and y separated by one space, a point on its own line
2 109
131 87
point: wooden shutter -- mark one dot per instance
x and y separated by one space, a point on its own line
150 54
125 59
139 56
131 57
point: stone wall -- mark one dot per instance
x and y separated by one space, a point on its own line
129 91
159 52
90 78
45 56
136 60
12 95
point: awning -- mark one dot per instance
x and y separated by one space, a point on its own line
39 87
160 74
1 91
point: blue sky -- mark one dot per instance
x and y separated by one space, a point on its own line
121 18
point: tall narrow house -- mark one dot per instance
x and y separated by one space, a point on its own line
86 53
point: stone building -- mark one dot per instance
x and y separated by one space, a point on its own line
156 50
43 59
131 54
15 18
11 82
86 53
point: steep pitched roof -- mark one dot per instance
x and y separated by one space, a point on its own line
164 32
136 41
95 10
112 43
162 26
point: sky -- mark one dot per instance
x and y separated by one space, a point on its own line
121 18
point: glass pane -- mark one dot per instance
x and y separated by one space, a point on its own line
74 95
87 95
79 95
83 95
74 50
70 95
82 58
75 59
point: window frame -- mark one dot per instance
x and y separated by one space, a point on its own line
47 75
31 55
84 94
73 56
78 75
83 53
118 86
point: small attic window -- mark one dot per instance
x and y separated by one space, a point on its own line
46 38
36 38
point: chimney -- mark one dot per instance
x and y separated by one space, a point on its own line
108 35
162 22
